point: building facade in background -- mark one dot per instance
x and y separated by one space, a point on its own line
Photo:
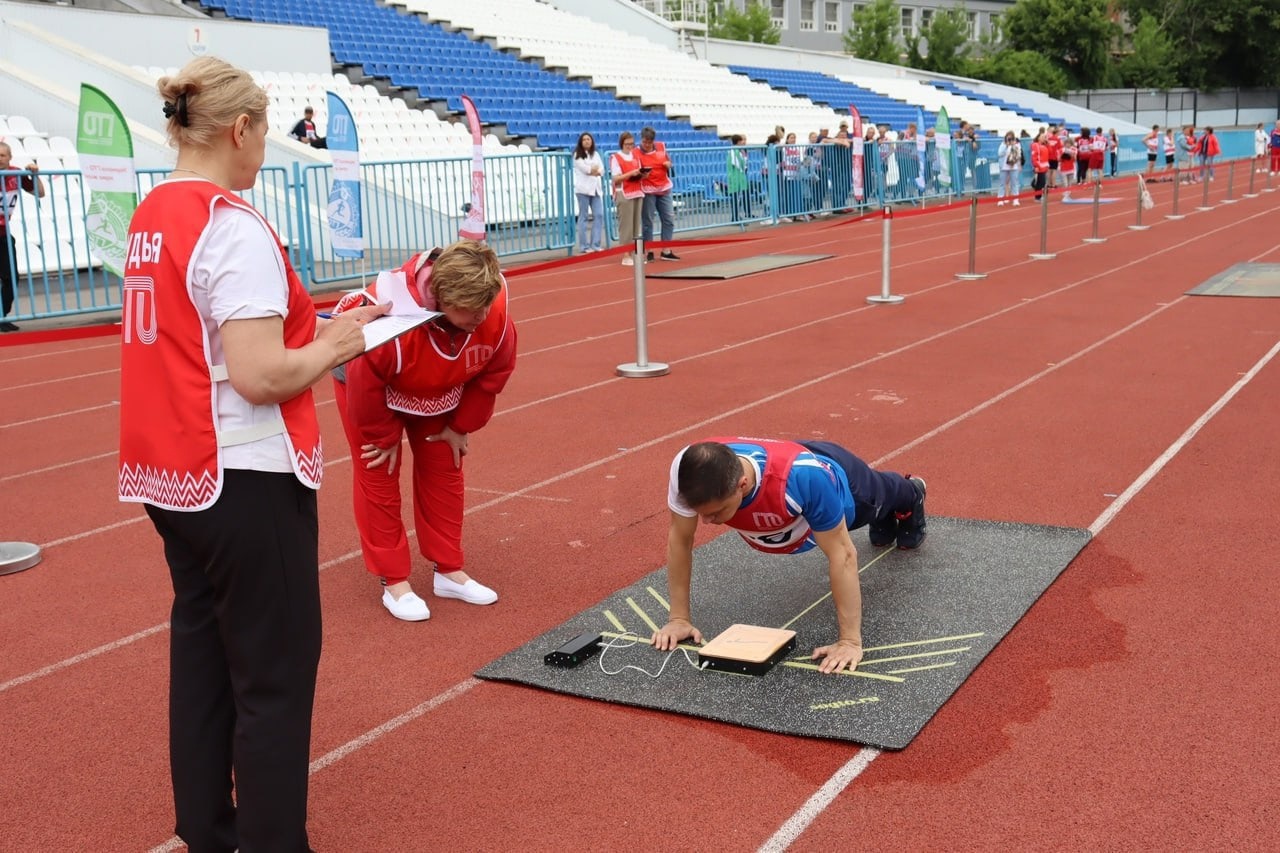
821 24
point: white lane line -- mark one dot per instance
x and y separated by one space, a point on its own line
795 826
12 424
43 382
77 350
49 468
1163 459
83 656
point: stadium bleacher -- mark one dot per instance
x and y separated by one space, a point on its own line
1000 103
839 94
440 65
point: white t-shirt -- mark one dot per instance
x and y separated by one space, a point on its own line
252 286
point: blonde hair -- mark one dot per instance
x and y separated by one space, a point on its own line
466 275
207 95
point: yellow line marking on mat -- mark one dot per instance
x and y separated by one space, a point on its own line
645 616
608 614
661 600
925 642
877 559
864 661
876 675
919 668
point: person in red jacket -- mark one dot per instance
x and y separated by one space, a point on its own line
1040 170
1210 148
435 385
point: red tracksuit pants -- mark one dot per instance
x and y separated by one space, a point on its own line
437 499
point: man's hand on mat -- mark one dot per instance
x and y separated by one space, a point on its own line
838 655
673 633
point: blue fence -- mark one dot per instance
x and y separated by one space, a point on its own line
530 205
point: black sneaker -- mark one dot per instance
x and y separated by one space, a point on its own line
911 524
649 257
670 256
6 326
884 532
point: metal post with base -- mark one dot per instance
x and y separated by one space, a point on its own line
886 297
1204 200
972 274
1253 175
1044 254
1177 184
641 367
1097 203
18 557
1142 196
1231 183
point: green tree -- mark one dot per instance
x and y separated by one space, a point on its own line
1025 69
1076 35
946 41
1225 43
1151 62
751 24
873 32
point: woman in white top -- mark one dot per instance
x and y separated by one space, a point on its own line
588 171
1261 144
626 172
215 314
1011 159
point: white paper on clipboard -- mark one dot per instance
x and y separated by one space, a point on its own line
405 313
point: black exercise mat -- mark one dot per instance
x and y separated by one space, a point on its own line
734 268
1242 280
929 617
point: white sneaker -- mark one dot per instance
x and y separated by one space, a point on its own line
1017 203
1000 203
408 607
471 592
628 261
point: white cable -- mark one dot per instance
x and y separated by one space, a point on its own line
622 642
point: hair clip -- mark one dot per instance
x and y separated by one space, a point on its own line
179 109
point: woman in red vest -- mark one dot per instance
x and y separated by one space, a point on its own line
1040 170
219 439
435 385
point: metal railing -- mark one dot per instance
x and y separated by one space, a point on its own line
530 205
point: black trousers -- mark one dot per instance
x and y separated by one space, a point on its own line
8 257
876 494
243 657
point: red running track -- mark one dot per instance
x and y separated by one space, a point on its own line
1132 707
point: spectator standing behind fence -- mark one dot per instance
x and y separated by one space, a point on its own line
1170 148
588 171
1039 164
1152 143
1188 149
1275 148
656 181
1010 156
839 160
1260 144
1113 147
625 172
736 183
1209 151
305 130
10 186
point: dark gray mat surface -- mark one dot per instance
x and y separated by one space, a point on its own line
734 268
929 617
1242 280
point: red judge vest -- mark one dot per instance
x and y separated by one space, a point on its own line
427 377
768 523
170 447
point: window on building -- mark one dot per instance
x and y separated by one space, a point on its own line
993 24
831 17
778 13
973 25
908 23
808 20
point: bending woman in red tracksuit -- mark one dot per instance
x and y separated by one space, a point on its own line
435 385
